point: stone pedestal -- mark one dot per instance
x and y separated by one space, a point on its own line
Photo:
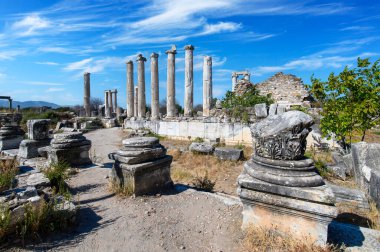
143 165
72 148
38 137
281 189
10 137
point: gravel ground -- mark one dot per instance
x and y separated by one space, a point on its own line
181 219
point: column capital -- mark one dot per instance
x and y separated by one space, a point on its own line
189 47
129 62
154 55
173 50
140 57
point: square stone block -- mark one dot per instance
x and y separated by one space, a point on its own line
29 148
146 178
38 129
8 143
74 156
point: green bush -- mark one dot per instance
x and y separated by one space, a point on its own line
57 174
322 168
198 140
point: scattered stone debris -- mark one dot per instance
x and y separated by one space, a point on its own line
141 165
231 154
201 148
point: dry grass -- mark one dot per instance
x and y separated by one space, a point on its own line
372 136
188 166
125 190
351 213
8 171
258 239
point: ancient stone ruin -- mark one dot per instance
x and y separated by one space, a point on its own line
70 147
38 137
285 88
279 187
11 133
142 165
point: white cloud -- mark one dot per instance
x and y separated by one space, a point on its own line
49 63
220 27
357 28
49 90
11 54
30 25
41 83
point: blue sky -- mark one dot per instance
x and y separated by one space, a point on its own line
45 46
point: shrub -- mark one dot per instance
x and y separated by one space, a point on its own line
8 171
5 220
198 140
57 174
321 168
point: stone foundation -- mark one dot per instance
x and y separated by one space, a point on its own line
29 148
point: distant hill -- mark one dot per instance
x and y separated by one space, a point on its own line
28 104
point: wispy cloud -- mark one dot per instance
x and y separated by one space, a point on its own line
49 63
41 83
30 25
357 28
50 90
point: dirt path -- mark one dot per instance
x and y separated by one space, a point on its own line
178 220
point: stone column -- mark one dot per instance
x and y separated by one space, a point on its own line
154 85
110 102
86 96
141 84
189 84
10 103
170 98
106 105
207 85
234 81
130 95
135 112
115 101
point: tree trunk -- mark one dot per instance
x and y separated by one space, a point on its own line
364 131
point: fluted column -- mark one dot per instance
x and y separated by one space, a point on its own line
189 83
130 86
106 105
136 111
86 96
110 102
115 101
207 85
141 103
170 99
154 85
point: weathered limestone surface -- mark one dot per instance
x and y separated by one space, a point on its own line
155 105
170 99
136 109
143 165
202 148
189 82
72 148
366 168
87 95
278 185
284 88
38 129
130 86
207 85
231 154
261 110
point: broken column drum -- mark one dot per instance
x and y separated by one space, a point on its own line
141 103
87 95
170 99
207 85
38 137
189 82
130 87
142 164
71 147
11 133
155 106
279 186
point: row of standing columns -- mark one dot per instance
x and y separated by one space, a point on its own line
110 102
136 100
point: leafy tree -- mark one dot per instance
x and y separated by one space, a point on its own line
350 101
